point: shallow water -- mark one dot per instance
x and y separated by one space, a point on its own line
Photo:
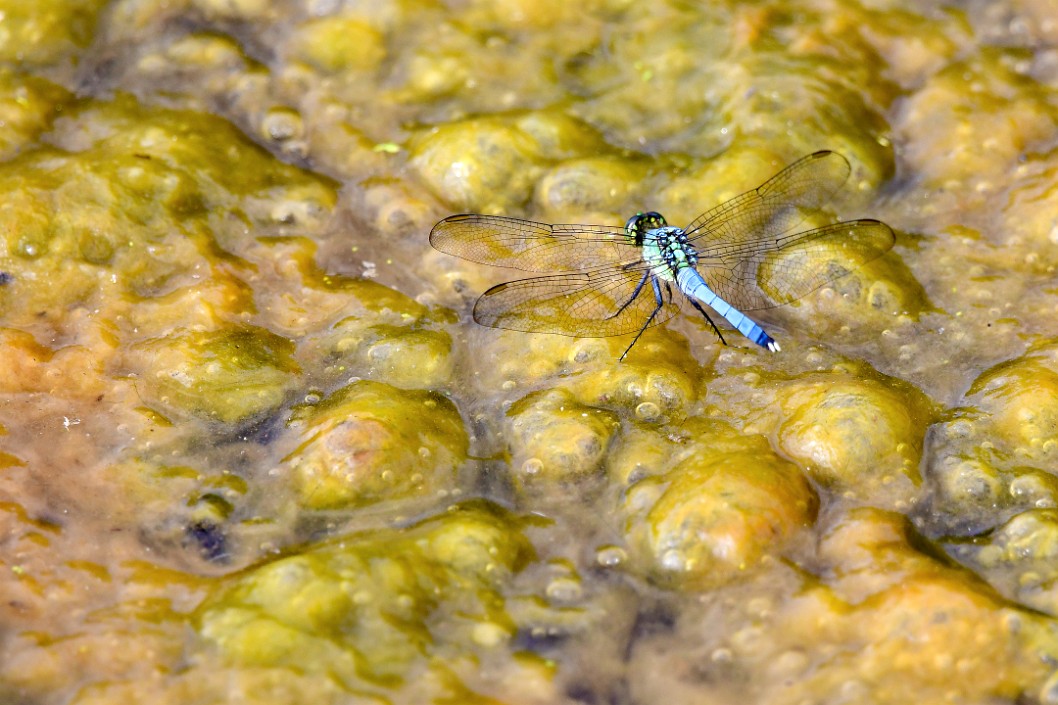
253 447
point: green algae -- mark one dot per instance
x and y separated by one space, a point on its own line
371 611
230 376
47 32
152 196
158 256
335 44
714 504
370 442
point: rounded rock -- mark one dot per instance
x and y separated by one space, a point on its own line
362 445
856 435
231 375
725 504
337 43
477 165
566 441
1021 400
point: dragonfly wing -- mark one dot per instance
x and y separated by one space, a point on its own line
776 207
792 266
592 304
532 246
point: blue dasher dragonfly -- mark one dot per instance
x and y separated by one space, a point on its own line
743 255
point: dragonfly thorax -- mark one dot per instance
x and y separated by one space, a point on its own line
667 250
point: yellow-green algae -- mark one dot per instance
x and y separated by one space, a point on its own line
713 506
1021 400
661 370
28 107
337 44
147 207
984 129
855 435
382 332
554 441
558 439
153 487
994 456
1018 557
228 375
995 492
374 612
886 623
478 159
363 618
142 225
855 432
47 32
362 607
876 621
370 442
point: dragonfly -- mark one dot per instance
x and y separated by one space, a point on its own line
746 254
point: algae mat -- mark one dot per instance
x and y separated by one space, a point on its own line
253 448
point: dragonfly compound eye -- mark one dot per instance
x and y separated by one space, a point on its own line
632 226
651 220
640 223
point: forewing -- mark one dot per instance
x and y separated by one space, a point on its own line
776 207
584 304
532 246
792 266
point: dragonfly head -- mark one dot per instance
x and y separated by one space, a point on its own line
640 223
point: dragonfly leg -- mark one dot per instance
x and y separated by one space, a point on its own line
633 297
658 299
702 311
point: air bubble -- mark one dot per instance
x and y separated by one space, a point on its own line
648 411
610 556
673 560
532 466
564 590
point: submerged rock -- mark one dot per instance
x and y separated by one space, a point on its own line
715 509
369 442
384 611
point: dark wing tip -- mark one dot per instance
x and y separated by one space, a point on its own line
884 231
825 154
440 229
826 169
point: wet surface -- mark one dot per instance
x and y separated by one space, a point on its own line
253 447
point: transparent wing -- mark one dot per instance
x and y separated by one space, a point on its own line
775 208
757 274
592 304
531 246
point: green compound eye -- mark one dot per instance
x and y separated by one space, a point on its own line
641 222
